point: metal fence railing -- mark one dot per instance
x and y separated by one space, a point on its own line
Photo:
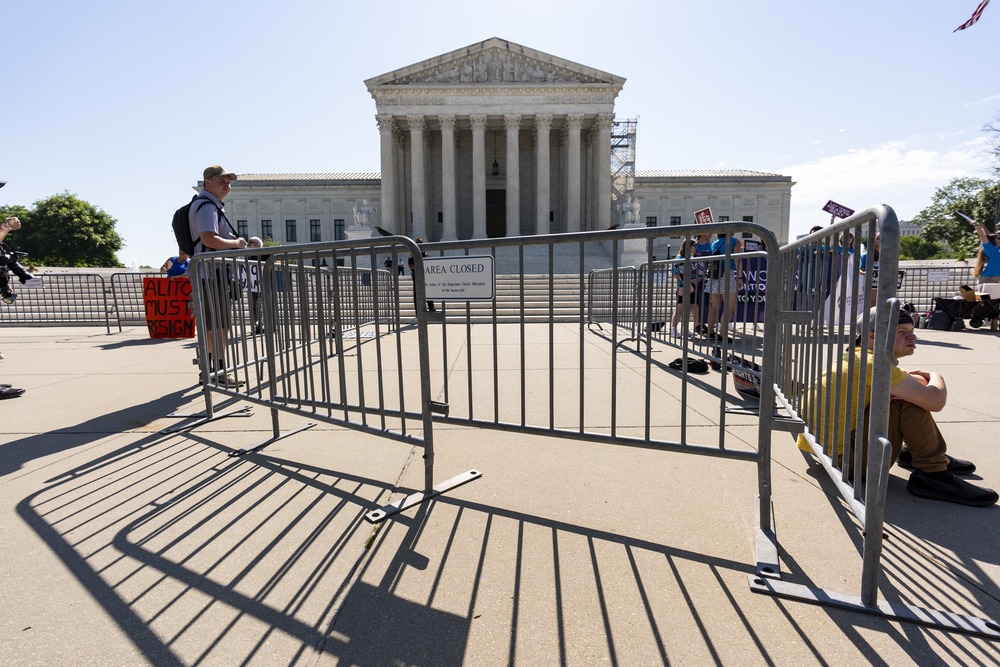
60 298
820 371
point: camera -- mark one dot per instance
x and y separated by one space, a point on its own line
10 261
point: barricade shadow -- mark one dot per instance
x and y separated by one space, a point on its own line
14 454
198 557
918 568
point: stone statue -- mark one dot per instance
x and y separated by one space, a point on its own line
364 214
629 208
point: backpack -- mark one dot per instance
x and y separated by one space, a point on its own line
182 225
940 320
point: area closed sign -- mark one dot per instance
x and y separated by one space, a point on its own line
459 278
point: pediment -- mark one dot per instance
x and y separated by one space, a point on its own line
494 61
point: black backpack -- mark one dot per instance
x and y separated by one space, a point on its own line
182 225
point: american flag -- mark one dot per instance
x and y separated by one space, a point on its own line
975 16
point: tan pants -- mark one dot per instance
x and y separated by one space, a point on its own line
914 426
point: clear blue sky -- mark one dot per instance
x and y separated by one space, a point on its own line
861 102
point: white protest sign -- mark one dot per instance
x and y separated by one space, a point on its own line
459 278
249 282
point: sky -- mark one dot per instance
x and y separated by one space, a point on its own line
124 103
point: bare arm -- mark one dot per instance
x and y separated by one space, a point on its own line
980 231
9 225
216 242
925 389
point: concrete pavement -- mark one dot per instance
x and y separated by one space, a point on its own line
124 546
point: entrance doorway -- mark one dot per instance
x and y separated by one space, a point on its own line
496 213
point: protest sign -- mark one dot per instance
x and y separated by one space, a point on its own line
166 301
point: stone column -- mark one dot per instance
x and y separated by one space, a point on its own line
385 129
603 167
574 121
418 196
478 175
543 172
512 125
448 177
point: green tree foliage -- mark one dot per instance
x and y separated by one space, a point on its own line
975 197
64 230
916 247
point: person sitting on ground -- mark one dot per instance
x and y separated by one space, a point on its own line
917 442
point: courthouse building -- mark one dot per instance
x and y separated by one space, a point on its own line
496 139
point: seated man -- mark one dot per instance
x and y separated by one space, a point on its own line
915 395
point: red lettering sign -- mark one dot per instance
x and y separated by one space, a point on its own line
703 217
167 311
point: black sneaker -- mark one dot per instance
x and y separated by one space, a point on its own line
945 486
955 466
10 392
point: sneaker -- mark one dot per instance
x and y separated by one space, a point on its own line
955 466
675 333
945 486
225 379
10 392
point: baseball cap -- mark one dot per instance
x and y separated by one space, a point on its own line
216 170
871 314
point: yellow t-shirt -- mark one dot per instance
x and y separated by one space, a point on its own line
814 409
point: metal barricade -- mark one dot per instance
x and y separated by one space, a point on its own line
607 290
923 284
553 377
820 364
325 343
126 291
60 298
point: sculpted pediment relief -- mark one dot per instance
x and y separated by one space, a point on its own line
495 66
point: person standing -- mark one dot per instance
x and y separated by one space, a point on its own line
987 268
730 279
9 225
212 231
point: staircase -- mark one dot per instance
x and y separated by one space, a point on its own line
562 303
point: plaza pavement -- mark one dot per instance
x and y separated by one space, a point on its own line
122 546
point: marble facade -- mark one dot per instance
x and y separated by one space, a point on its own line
495 139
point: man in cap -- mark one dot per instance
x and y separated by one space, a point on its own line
915 395
211 228
8 225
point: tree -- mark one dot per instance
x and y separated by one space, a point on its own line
64 230
916 247
976 197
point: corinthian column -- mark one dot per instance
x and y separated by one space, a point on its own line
574 122
512 124
543 124
448 176
603 167
388 203
418 196
478 175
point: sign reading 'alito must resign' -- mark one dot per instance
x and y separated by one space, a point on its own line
459 278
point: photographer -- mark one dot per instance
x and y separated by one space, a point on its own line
9 261
9 225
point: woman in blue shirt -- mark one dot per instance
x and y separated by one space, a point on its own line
987 268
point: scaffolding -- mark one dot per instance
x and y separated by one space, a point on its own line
623 170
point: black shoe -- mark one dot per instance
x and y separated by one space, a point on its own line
955 466
10 392
945 486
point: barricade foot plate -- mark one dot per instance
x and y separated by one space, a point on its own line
265 443
383 513
767 546
971 625
245 411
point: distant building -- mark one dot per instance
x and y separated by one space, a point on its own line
451 127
